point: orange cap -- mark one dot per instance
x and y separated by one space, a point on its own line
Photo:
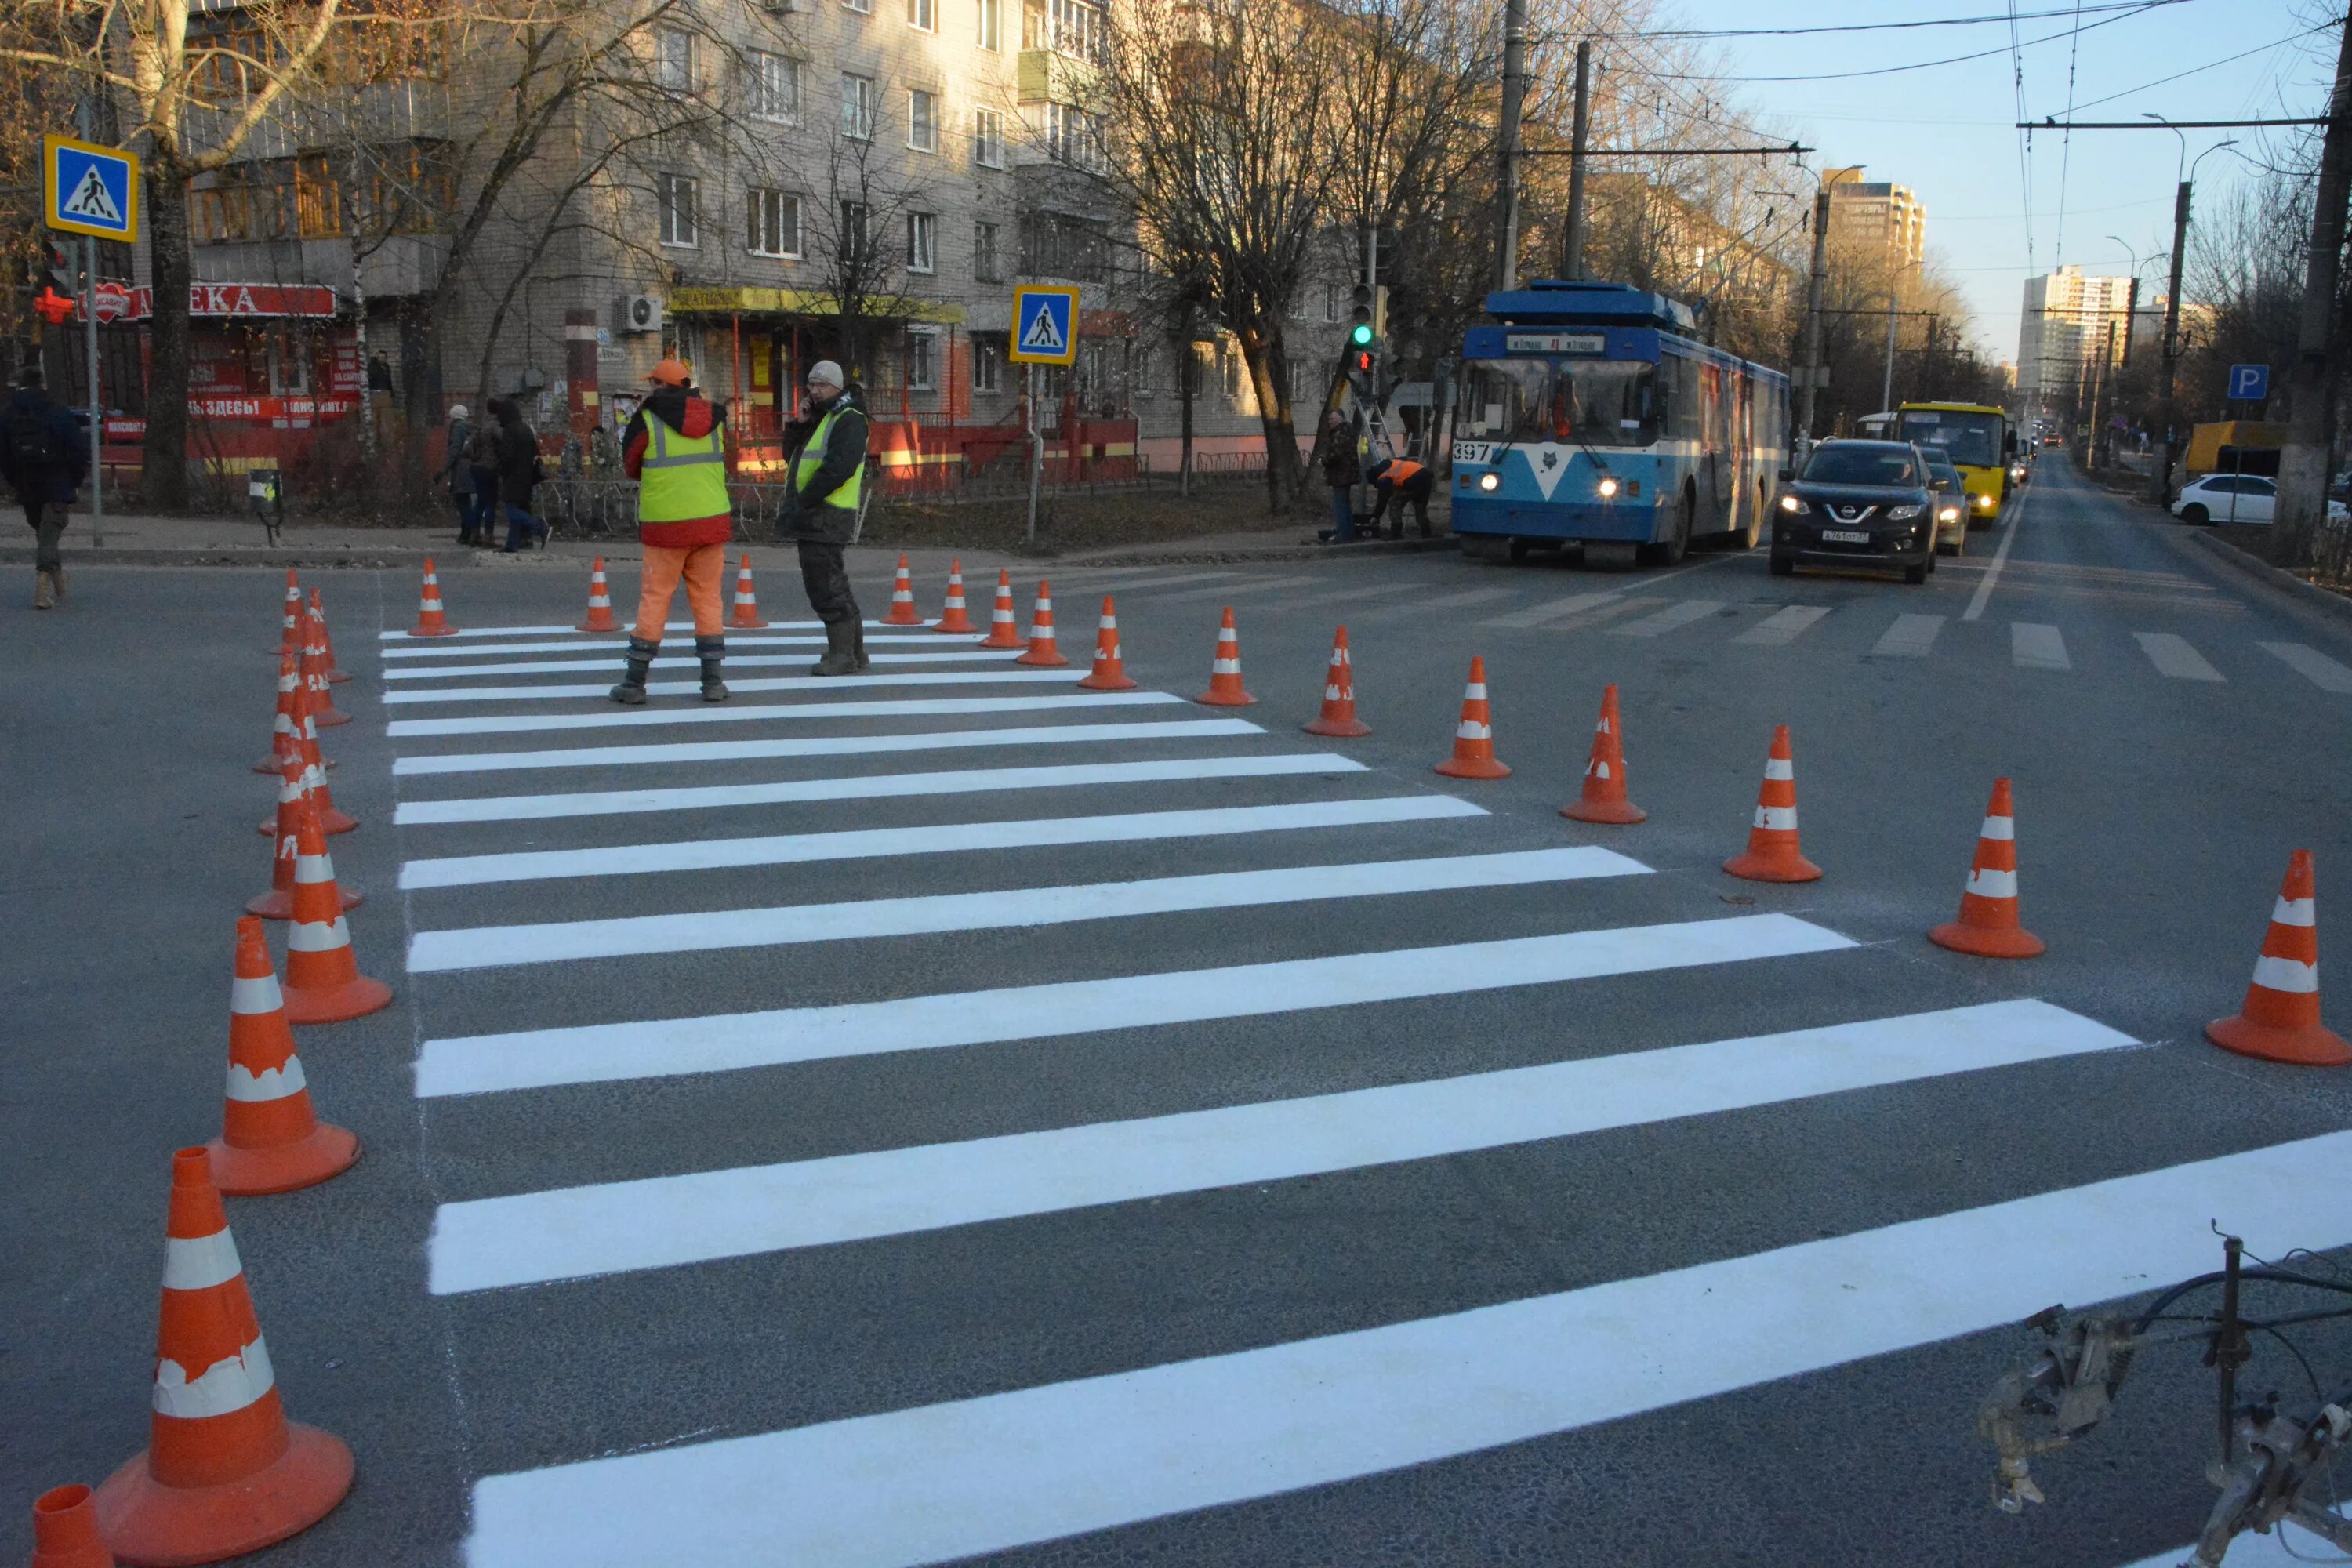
671 372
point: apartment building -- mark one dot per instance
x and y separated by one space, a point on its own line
1875 218
2064 329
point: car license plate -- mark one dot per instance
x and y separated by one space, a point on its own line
1846 535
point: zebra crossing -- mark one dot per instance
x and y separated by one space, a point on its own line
624 880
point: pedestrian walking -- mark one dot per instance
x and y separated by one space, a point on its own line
1404 483
519 473
45 457
379 394
828 473
482 474
673 449
473 526
1342 473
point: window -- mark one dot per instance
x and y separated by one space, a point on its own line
673 59
923 14
922 242
775 224
1058 245
773 88
857 99
987 362
1074 137
863 7
988 138
922 361
1332 301
923 120
676 193
987 257
857 224
1144 370
991 24
1072 27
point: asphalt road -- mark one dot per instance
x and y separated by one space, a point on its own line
1193 1142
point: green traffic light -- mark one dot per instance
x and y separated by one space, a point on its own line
1360 334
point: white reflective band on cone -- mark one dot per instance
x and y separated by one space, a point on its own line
249 1088
1780 768
1331 694
1045 606
308 936
201 1262
2294 912
2286 975
1474 692
1993 884
258 994
1598 770
1224 666
1471 730
225 1388
313 868
2001 827
1106 624
1778 818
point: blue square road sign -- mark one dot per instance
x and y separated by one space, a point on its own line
90 189
2249 383
1045 325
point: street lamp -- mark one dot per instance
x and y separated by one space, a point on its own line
2185 173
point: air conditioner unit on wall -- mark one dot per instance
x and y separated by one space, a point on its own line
638 313
780 7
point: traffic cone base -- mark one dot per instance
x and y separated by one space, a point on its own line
1773 855
1338 729
328 1151
2314 1045
277 904
1603 798
339 1004
1489 769
1983 942
1775 866
1612 814
65 1531
150 1525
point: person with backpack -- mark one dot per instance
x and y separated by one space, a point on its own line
45 456
519 473
675 451
827 447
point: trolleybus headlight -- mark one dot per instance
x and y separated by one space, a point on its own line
1490 481
1608 487
1792 506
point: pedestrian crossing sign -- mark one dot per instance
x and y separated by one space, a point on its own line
1045 325
90 189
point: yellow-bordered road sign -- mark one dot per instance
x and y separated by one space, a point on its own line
90 189
1044 324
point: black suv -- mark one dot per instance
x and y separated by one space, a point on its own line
1857 503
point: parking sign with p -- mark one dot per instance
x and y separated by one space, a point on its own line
2249 383
90 189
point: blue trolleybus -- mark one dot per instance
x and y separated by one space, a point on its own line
1589 416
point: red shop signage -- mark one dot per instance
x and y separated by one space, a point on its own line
121 302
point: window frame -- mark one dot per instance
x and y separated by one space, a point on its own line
865 99
990 23
988 363
673 235
674 74
988 138
923 243
764 216
763 93
987 251
928 126
923 16
928 361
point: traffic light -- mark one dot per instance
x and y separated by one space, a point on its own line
65 265
1362 331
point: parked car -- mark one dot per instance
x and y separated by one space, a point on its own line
1951 500
2236 497
1857 503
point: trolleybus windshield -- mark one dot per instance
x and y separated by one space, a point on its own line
1595 402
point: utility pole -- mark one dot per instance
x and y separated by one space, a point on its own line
2163 470
2099 380
1886 393
1580 139
1802 436
2303 464
2131 319
1514 86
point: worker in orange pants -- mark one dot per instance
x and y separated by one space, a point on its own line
674 451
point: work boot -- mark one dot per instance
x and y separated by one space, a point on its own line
57 579
840 649
44 591
632 690
857 642
712 652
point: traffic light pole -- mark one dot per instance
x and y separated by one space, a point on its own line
96 404
2163 495
1803 435
1507 202
1580 138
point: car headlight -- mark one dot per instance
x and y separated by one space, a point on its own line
1608 487
2017 472
1983 503
1949 514
1793 505
1490 481
1903 513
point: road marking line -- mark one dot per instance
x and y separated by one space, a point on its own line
940 838
735 639
744 713
2035 647
972 780
664 1047
817 746
1456 601
1667 619
553 631
1600 615
634 936
972 654
758 683
665 1221
2000 558
2312 665
2254 1551
1552 610
1911 636
1782 627
2174 656
1227 591
971 1477
1350 595
1178 580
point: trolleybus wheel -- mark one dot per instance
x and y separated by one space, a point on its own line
1669 551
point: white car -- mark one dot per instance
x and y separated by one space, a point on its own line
2236 497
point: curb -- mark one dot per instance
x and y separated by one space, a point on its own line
89 559
2332 602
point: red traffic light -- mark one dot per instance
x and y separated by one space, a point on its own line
1361 361
54 306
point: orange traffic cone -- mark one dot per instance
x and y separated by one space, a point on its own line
902 599
65 1531
271 1140
1772 854
277 904
1002 632
1603 799
2280 1021
281 724
600 602
1988 926
336 675
323 982
1040 631
1225 690
225 1472
315 690
746 615
430 622
1338 717
1109 673
1474 737
290 616
331 819
953 614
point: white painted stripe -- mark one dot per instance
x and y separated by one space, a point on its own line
223 1388
249 1088
952 837
1782 627
821 746
732 713
2002 828
1983 595
1552 610
200 1262
1223 591
2252 1550
631 936
758 683
258 994
1991 884
2174 656
442 648
1453 601
1002 1471
2312 665
1350 595
403 636
671 1220
1780 768
2286 975
1911 636
1667 619
597 1053
970 780
2295 912
685 661
1777 818
1154 585
2032 647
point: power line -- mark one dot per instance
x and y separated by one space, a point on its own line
1889 26
2209 64
2047 123
2067 145
2135 8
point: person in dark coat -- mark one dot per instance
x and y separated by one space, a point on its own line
472 525
44 456
826 465
1342 473
1406 483
519 475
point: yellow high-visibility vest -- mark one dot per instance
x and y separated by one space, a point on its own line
682 476
813 459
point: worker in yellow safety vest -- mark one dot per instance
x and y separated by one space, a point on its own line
828 476
675 451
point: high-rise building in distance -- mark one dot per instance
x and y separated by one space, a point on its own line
2063 331
1875 214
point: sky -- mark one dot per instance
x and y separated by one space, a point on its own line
1948 131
